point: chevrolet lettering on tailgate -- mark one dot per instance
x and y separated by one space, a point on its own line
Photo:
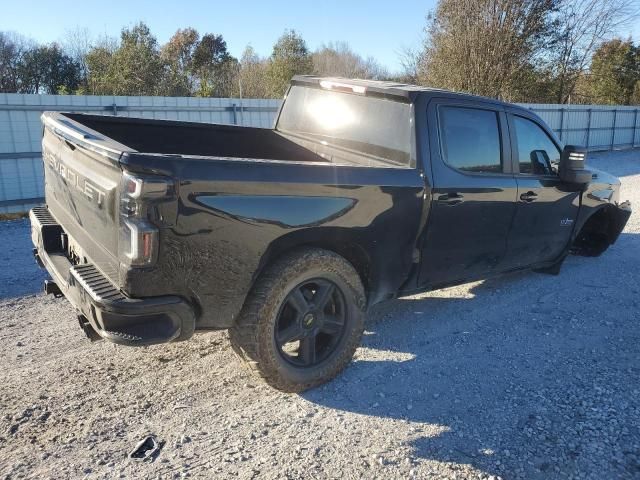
74 179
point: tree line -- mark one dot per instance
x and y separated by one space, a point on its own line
189 64
545 51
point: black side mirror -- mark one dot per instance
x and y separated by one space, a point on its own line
540 162
571 168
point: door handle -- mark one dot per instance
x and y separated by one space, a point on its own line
451 198
528 197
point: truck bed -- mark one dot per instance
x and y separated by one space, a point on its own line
167 137
199 139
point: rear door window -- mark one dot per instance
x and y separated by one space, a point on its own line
470 139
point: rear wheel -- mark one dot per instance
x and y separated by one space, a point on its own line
302 321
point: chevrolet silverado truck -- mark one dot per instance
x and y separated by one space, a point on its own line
362 192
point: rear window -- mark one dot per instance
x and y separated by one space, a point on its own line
374 126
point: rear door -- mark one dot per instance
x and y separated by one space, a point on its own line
547 207
473 192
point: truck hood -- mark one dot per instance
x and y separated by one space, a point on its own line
601 177
603 187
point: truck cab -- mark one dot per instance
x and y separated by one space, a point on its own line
495 185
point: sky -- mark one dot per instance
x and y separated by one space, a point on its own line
376 28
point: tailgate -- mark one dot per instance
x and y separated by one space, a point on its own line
82 176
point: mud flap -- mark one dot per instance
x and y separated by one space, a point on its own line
553 269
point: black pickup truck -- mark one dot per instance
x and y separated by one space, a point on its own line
362 192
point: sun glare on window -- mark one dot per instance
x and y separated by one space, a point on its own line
331 113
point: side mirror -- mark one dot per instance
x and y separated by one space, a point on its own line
540 162
571 168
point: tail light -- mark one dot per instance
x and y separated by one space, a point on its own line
138 242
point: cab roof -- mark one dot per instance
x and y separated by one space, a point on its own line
401 91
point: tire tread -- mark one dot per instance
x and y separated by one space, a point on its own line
245 335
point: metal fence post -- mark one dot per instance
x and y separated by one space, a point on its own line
235 114
635 122
561 122
588 128
115 109
613 129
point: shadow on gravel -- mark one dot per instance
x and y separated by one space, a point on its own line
532 376
19 273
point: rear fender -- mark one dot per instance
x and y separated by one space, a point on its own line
344 242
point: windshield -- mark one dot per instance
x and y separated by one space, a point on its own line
374 126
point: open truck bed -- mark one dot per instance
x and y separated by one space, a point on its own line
193 139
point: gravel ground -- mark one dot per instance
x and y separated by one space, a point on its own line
523 376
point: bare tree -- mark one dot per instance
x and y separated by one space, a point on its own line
252 74
338 59
484 46
410 62
582 25
9 61
77 43
374 70
13 47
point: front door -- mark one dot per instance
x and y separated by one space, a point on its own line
473 192
547 207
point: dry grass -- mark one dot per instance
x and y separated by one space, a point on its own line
13 216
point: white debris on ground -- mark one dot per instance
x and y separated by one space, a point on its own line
523 376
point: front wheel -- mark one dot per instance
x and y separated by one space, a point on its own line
303 320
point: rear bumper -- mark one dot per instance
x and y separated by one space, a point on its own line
111 314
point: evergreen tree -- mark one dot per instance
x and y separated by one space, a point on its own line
290 57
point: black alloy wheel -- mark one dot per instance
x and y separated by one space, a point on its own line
311 322
302 321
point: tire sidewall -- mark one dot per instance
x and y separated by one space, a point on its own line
330 268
